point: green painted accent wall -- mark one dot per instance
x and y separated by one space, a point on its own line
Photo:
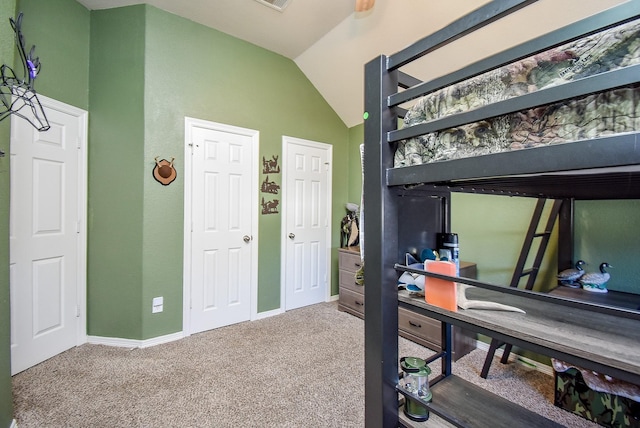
491 230
609 231
64 55
149 69
194 71
116 171
7 51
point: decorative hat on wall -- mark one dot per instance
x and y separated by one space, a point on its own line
164 172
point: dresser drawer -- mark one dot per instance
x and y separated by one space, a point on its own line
347 280
349 261
420 326
352 300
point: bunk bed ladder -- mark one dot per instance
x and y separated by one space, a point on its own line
532 272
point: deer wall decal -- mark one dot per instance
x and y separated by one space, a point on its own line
17 94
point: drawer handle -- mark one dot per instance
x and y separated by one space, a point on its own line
414 324
357 265
359 303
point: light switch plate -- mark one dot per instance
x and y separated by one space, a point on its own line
158 303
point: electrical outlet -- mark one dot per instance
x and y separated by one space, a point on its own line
158 303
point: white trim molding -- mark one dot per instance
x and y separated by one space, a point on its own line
267 314
133 343
519 359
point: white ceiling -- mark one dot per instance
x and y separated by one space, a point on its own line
288 33
331 43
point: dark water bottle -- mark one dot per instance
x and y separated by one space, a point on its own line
448 247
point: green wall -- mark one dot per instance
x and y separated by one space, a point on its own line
205 74
609 231
64 55
7 9
116 171
150 69
491 230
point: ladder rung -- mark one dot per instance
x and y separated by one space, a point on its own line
519 271
528 271
538 235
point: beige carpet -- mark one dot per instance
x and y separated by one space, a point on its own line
304 368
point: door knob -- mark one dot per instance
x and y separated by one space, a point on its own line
292 236
246 238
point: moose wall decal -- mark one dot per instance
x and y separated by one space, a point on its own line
18 94
270 166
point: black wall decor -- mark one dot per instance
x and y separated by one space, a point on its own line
269 186
270 207
270 166
17 94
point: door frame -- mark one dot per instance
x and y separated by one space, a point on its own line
191 123
286 140
81 228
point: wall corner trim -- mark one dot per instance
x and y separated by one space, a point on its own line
132 343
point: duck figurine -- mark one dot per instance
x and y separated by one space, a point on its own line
596 281
570 277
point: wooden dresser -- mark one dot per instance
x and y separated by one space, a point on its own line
351 294
418 328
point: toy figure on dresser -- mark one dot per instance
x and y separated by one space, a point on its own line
596 281
570 277
349 229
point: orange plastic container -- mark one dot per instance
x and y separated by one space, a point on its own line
440 292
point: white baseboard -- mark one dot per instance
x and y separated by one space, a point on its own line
267 314
519 359
14 424
333 298
132 343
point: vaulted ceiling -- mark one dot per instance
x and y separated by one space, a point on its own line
330 42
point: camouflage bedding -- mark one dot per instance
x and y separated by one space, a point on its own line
606 409
607 113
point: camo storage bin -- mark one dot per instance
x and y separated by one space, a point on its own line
609 410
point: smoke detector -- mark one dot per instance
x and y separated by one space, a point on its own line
278 5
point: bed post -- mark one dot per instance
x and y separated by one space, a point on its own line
381 248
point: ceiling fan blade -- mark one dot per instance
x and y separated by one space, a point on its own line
364 5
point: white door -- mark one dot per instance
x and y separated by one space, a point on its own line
306 221
47 235
221 190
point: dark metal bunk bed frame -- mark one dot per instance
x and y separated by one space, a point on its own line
405 207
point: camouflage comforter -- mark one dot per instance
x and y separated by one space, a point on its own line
600 114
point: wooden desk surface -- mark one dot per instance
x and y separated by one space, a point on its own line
602 342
